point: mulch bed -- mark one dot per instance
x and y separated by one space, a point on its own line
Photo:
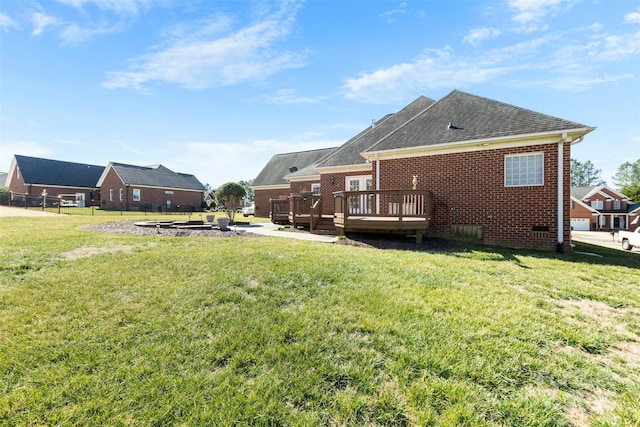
361 240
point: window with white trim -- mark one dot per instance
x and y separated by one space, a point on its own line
315 189
136 194
617 205
111 194
521 170
121 194
597 204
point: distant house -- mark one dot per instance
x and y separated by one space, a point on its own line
30 178
462 167
285 174
602 208
148 188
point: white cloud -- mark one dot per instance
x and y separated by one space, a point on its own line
245 55
435 69
632 18
6 23
477 35
572 60
289 96
73 34
40 22
527 11
122 7
578 82
218 162
26 148
389 15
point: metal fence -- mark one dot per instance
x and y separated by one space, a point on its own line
53 204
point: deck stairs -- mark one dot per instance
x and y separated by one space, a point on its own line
325 226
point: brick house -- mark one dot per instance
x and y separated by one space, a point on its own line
602 208
460 167
149 188
285 174
30 179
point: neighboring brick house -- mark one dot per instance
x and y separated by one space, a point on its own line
149 188
30 178
285 174
602 208
494 171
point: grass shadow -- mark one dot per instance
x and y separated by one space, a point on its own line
582 252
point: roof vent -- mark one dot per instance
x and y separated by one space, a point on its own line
452 126
293 169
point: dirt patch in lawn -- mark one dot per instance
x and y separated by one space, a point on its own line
88 251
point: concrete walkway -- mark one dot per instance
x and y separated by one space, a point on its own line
6 211
600 238
270 229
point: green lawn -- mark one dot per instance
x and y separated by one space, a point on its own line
100 329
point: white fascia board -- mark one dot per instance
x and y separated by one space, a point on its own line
11 174
510 141
598 190
345 169
270 187
164 188
304 178
583 204
104 174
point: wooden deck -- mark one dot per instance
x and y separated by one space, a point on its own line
384 211
381 211
297 210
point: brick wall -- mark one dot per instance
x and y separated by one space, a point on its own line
330 183
469 189
150 198
261 199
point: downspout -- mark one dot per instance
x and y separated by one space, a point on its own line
377 184
560 206
560 194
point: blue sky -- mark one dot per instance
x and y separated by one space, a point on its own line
217 88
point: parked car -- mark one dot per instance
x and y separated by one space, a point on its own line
249 210
629 239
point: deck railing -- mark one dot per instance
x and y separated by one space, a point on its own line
383 203
296 209
279 210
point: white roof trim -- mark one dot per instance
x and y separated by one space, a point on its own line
598 189
583 204
540 138
270 187
344 168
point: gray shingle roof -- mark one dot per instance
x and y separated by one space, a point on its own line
580 192
156 176
349 152
285 164
476 117
55 172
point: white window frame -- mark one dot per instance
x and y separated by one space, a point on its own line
362 204
597 204
617 204
136 195
111 194
528 171
315 189
121 194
